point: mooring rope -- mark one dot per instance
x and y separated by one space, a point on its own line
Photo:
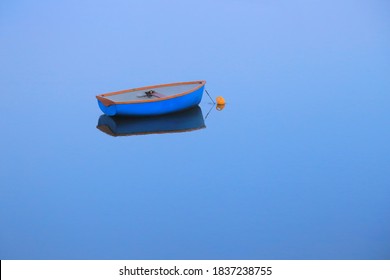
209 96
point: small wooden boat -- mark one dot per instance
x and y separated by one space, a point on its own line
152 100
184 121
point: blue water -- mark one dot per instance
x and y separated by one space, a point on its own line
296 166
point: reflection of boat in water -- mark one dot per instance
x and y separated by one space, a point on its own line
188 120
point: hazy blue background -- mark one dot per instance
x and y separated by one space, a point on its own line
295 167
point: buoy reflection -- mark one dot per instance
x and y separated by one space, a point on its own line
220 107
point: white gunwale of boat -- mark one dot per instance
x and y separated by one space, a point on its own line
107 101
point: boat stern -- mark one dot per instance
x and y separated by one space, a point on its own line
108 110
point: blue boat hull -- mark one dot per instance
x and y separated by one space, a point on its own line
164 106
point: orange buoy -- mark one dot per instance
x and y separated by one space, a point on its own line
220 100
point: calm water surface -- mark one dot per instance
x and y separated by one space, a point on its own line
296 166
